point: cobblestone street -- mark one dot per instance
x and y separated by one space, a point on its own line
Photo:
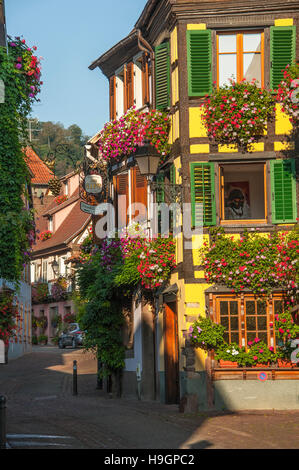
43 413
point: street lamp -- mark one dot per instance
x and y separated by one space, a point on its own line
147 159
55 267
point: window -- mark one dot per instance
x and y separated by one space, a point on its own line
243 192
246 318
45 271
50 220
240 56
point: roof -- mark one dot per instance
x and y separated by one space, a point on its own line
72 226
118 54
41 174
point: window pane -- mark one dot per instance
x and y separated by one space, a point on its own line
250 337
234 308
251 323
227 68
261 308
263 337
224 322
250 307
235 338
252 42
262 323
234 323
252 67
223 308
278 307
228 43
226 337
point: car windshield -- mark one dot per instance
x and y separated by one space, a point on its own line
72 327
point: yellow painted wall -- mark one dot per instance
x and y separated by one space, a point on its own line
196 125
283 125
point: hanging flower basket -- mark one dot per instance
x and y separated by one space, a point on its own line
237 114
121 138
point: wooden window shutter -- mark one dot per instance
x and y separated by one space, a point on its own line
282 52
199 60
112 93
283 187
129 86
203 194
122 189
139 190
145 80
162 76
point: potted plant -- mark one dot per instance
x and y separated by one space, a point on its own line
229 355
43 339
34 340
42 322
206 334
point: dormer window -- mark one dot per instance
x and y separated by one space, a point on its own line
50 223
66 188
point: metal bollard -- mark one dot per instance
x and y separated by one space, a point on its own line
75 379
2 422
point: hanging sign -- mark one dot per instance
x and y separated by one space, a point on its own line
93 184
88 208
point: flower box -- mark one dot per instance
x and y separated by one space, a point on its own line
284 364
261 366
228 364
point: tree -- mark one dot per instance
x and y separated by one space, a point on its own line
46 137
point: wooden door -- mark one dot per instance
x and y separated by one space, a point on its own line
171 354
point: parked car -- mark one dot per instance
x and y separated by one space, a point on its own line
72 336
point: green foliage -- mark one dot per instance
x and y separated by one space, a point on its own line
255 261
15 221
102 319
206 334
47 135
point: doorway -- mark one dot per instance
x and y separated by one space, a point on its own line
171 354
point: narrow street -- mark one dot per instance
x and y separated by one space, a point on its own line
42 413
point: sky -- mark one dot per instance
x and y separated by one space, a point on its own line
70 35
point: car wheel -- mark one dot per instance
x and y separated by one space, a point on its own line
74 343
60 344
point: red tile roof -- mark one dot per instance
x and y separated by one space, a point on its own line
72 226
41 173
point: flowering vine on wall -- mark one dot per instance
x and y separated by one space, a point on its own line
20 72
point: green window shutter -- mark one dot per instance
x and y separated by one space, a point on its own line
199 59
282 51
172 175
203 194
283 187
162 78
160 194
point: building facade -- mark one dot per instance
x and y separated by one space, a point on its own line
170 61
62 228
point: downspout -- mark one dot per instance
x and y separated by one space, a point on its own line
147 48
